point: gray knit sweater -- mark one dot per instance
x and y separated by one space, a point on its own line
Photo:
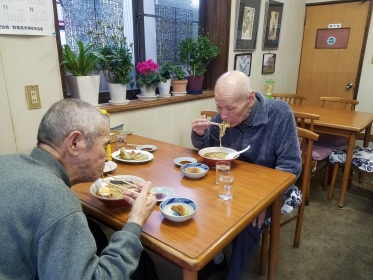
43 231
269 129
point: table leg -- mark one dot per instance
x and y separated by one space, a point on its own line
274 238
189 275
346 171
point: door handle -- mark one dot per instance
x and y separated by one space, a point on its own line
349 85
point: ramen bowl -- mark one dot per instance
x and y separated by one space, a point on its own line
212 161
194 170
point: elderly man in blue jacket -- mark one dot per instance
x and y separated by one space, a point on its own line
268 126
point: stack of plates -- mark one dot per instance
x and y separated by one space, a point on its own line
119 103
178 93
164 96
147 98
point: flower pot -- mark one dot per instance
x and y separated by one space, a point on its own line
148 91
179 85
164 88
84 87
118 93
195 84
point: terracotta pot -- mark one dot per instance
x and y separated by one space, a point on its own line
84 87
195 84
179 85
118 93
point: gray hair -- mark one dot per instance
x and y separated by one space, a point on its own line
68 115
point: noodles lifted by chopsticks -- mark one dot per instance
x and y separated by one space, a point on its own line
222 127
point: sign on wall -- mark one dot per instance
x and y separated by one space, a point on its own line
27 17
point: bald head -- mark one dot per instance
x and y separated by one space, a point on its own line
232 84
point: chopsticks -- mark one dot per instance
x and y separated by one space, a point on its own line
126 182
134 144
214 123
120 187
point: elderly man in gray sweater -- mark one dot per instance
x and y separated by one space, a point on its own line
44 233
268 126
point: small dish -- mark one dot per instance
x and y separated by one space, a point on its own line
162 193
109 166
184 160
119 103
178 93
164 96
194 170
147 98
171 215
146 148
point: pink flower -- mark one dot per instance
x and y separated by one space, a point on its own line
147 66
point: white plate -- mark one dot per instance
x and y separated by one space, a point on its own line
178 93
119 103
164 96
109 166
150 156
180 159
146 148
147 98
167 193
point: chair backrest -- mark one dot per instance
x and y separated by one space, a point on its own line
209 114
339 103
301 119
290 98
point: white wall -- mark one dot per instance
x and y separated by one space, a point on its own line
33 60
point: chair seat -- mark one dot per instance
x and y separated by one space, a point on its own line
362 158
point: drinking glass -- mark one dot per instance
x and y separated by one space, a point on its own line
121 138
222 167
226 186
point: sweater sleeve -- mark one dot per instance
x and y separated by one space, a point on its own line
73 254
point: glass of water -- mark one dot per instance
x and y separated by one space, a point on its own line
226 186
221 167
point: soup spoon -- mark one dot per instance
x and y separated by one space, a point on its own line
102 187
234 154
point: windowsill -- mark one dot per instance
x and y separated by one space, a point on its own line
137 104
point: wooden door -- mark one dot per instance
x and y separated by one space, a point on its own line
328 71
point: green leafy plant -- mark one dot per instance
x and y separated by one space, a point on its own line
112 43
166 70
179 73
83 62
197 53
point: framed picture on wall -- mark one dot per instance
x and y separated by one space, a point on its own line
272 25
269 63
242 62
246 27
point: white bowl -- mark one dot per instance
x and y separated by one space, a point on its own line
194 170
212 161
171 215
109 166
162 193
147 148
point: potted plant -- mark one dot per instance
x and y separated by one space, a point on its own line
196 54
179 81
83 83
166 70
149 78
117 67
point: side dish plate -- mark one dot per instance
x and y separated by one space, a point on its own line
115 156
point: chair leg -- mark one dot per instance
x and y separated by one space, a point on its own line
264 252
298 228
334 177
326 176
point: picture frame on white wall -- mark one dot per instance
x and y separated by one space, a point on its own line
272 25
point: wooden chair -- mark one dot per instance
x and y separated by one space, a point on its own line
306 138
209 114
290 98
328 143
339 103
306 121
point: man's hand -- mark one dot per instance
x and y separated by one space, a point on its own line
142 205
200 125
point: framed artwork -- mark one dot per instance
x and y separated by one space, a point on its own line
246 27
269 63
272 24
242 62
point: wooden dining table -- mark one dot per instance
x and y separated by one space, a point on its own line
193 243
342 123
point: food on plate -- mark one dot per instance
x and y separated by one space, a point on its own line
184 162
113 192
222 127
132 155
180 209
215 155
193 170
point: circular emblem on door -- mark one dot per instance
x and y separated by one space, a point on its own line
331 40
